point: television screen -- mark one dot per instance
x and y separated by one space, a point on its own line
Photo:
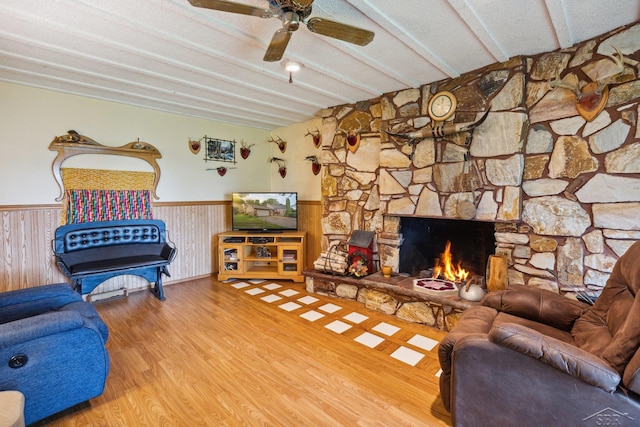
265 212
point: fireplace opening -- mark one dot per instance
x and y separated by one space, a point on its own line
425 240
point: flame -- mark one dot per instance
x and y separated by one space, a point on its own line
444 267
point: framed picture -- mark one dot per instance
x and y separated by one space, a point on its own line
219 150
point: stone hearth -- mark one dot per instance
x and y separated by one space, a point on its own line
393 296
562 192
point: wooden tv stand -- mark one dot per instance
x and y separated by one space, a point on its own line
246 255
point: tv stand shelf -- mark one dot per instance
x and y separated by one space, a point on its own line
246 255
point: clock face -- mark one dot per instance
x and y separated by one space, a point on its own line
442 106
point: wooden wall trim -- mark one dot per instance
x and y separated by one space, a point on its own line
193 203
155 203
28 207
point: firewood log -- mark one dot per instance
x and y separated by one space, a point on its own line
497 278
333 256
329 266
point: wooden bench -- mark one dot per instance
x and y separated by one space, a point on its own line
91 252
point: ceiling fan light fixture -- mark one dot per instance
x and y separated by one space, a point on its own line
292 66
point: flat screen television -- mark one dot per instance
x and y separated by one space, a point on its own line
264 212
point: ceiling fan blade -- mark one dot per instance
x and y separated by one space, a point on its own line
340 31
301 4
232 7
277 46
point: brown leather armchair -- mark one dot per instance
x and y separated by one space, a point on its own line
533 357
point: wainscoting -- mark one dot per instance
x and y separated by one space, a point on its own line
26 232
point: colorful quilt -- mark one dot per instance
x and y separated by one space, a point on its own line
107 205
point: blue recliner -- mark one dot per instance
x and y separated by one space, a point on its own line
52 349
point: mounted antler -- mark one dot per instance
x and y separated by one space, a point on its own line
282 144
245 145
245 149
317 137
437 130
570 82
349 132
591 97
353 136
440 129
617 71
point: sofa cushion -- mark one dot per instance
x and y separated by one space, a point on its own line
563 356
622 285
88 311
36 300
591 333
31 328
626 340
539 305
72 260
114 264
559 334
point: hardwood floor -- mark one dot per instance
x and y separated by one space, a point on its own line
213 355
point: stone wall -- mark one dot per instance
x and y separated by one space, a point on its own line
563 192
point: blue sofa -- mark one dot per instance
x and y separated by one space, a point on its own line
52 348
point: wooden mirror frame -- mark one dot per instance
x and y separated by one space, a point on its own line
74 144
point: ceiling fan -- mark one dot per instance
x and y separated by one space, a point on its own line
291 13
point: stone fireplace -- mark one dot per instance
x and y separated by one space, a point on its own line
562 194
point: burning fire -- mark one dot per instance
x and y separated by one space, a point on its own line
444 267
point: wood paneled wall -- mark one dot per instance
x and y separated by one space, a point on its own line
310 220
26 254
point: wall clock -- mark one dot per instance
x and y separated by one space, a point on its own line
442 106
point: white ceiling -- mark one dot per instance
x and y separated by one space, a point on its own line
170 56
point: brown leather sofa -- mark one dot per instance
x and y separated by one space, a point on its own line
531 357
